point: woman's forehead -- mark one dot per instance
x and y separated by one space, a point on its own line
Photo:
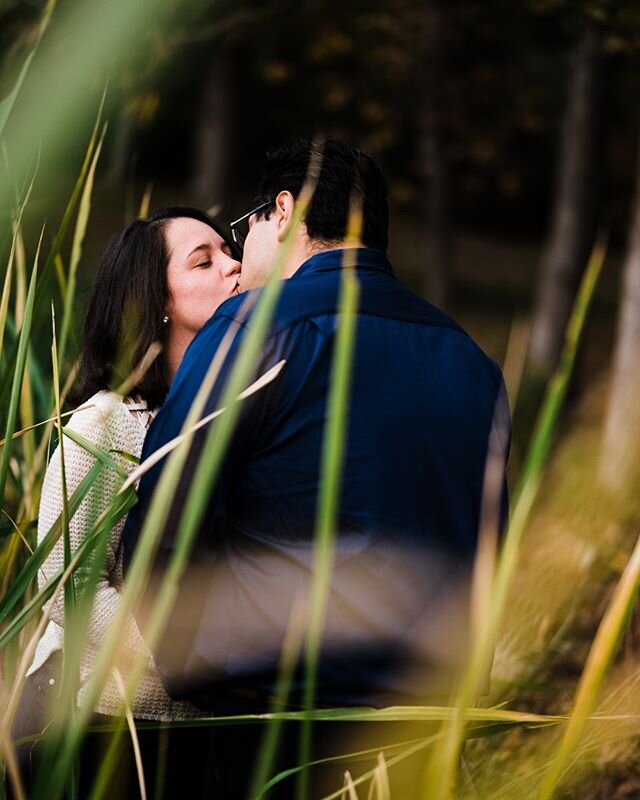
183 234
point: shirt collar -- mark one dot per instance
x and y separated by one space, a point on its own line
365 258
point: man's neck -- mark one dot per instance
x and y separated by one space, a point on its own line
306 250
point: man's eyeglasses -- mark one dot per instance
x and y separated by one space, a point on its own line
240 227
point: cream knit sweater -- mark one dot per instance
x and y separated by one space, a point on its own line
111 424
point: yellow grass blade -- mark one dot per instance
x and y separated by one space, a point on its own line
145 202
599 660
349 787
122 690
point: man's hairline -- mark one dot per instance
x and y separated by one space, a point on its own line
317 244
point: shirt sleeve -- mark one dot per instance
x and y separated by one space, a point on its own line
95 424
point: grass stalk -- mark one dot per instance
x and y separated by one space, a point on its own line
206 472
330 482
442 768
70 678
84 210
6 288
23 349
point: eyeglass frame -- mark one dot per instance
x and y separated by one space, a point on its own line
234 225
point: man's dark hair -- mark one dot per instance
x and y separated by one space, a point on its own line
127 305
347 177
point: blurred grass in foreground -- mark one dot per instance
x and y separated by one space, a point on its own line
528 597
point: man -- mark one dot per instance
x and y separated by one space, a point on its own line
423 401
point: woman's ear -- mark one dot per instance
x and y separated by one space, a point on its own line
285 204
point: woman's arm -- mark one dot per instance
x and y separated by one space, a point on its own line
107 428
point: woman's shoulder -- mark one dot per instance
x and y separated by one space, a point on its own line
106 412
99 404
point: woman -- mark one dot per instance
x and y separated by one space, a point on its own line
159 280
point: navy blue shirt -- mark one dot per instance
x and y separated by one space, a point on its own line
423 400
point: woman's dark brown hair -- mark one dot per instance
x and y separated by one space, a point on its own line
127 306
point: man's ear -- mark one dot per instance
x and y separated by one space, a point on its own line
285 204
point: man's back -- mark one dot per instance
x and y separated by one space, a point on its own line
421 407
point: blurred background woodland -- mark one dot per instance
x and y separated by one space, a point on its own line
508 131
510 136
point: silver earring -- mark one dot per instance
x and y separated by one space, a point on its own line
165 319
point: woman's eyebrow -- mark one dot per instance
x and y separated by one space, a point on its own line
204 246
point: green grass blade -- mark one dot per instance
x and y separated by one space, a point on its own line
69 593
407 749
206 472
7 367
442 768
330 482
76 247
6 289
136 579
103 527
269 747
41 293
18 375
544 431
96 452
27 575
70 676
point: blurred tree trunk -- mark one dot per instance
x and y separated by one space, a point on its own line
621 446
433 161
213 133
572 225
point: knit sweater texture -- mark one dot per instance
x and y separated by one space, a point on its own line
111 424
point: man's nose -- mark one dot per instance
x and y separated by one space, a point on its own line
230 267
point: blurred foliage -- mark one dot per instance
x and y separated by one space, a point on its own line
356 71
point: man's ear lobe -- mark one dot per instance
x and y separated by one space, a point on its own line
285 207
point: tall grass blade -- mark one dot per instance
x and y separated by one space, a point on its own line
442 768
136 579
206 472
269 748
544 432
70 678
133 733
103 526
26 576
109 761
145 201
601 655
59 759
515 358
71 206
16 387
330 482
69 592
349 787
6 288
84 210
